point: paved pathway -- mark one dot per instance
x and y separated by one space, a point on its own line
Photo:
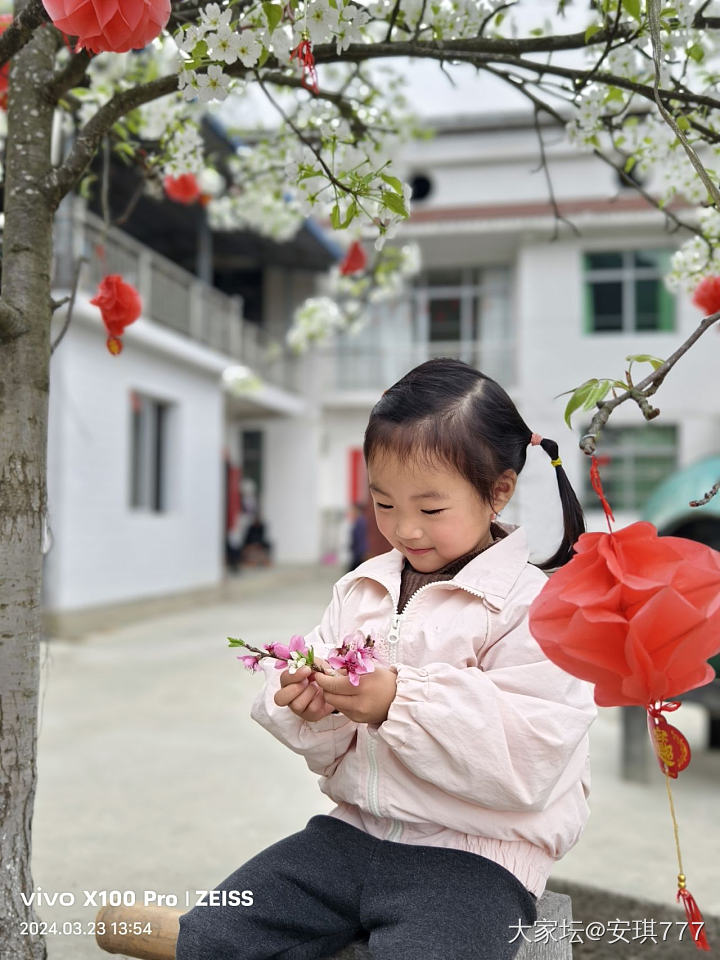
153 778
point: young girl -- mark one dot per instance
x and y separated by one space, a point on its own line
460 766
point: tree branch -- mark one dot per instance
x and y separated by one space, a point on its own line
64 177
19 32
70 76
71 303
653 10
641 391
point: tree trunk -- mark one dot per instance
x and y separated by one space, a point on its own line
24 370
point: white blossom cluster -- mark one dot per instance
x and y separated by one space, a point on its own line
263 212
697 257
314 322
353 297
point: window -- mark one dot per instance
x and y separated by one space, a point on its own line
466 313
624 291
633 461
148 453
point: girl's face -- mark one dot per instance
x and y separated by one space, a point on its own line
432 515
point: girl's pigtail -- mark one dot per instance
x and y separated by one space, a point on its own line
573 519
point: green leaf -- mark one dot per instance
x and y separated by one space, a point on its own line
262 59
393 182
632 8
629 164
696 52
592 30
654 362
273 13
335 217
683 122
235 642
352 212
578 398
393 202
614 93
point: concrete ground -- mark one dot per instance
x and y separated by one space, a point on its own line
153 779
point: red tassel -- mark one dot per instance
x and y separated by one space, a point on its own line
692 912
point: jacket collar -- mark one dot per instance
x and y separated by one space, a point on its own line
491 573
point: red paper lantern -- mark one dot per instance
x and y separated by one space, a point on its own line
5 20
112 25
120 305
355 259
707 295
182 189
636 614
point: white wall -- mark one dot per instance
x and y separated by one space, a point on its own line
291 450
105 551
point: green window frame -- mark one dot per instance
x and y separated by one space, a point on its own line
624 291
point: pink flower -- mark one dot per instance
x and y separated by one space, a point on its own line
251 663
285 654
357 656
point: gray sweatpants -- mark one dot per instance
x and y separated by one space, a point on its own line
329 884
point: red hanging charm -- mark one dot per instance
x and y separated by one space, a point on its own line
707 295
671 747
355 259
303 52
120 305
693 914
182 189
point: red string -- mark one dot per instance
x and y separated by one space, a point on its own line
597 487
304 54
659 707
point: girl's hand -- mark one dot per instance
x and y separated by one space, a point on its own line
369 702
302 695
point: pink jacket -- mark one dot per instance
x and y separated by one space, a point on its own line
485 746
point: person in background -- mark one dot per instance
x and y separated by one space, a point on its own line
256 549
358 535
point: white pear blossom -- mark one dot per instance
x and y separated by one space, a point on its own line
282 43
224 45
213 84
350 28
212 18
321 21
249 48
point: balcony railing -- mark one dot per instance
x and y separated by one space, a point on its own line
171 296
348 368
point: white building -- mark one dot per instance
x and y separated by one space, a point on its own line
539 313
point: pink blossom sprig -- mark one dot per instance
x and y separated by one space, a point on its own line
356 655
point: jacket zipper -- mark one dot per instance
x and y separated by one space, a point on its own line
393 637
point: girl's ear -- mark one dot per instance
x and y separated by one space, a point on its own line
503 489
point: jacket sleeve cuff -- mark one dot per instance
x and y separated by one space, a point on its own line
413 689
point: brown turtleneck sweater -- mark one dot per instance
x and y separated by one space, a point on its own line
411 579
